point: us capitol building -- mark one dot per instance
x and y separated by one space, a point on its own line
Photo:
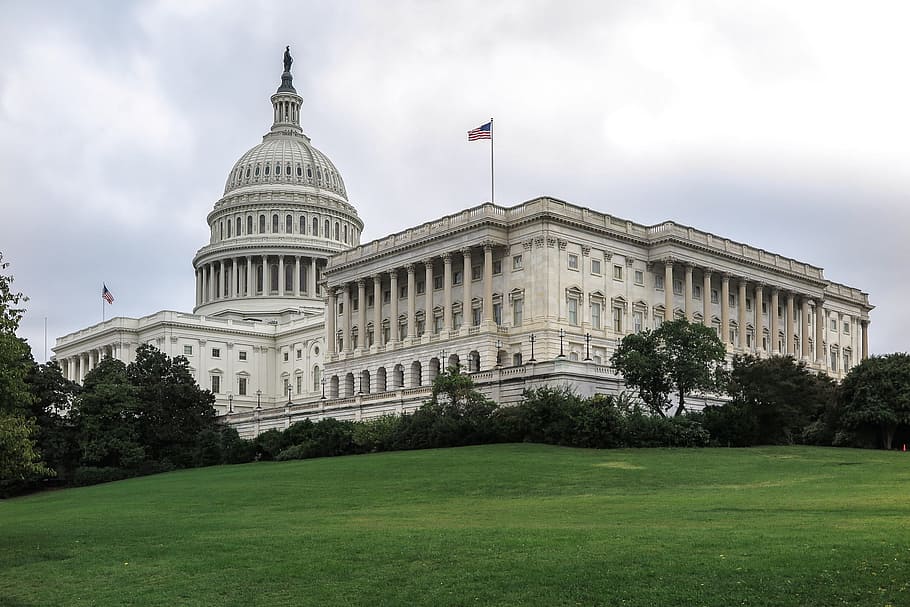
295 318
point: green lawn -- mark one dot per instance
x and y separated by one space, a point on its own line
498 525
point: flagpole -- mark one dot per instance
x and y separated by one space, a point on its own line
102 303
492 174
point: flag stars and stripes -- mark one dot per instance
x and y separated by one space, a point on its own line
106 295
484 131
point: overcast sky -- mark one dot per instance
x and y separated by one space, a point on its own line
777 123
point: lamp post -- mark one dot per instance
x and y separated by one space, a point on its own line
230 403
498 348
258 399
289 393
562 334
442 363
322 381
533 339
587 346
360 383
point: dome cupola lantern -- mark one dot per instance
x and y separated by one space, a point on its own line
286 103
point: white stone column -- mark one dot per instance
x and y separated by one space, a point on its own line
221 279
205 283
788 325
361 314
759 318
488 282
725 309
346 317
706 297
742 314
820 357
331 313
281 276
393 306
313 277
249 276
775 321
804 329
428 296
865 329
447 291
296 275
688 299
377 310
467 310
668 292
412 301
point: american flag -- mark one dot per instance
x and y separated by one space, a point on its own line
107 295
484 131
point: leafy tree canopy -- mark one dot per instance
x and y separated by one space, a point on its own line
875 396
679 355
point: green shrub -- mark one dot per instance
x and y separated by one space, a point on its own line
92 475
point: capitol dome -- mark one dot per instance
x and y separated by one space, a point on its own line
285 159
283 214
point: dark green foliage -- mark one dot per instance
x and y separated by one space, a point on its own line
874 400
269 444
678 355
774 401
92 475
174 410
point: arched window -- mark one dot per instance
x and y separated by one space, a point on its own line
288 225
315 226
345 233
287 170
328 230
239 224
268 169
220 230
257 171
259 279
303 224
309 173
299 171
262 224
277 170
337 231
273 277
229 228
317 378
249 224
248 172
275 223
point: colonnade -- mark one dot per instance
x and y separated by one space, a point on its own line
392 280
779 297
75 367
252 276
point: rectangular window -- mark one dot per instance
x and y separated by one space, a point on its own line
386 335
595 315
748 304
847 327
780 311
617 320
677 287
386 296
420 287
573 312
639 277
833 360
370 301
475 317
437 324
403 292
216 384
516 262
497 313
595 267
696 290
846 361
437 282
573 261
216 352
617 272
715 297
299 384
638 321
748 338
516 359
834 325
457 277
241 355
517 312
476 272
187 350
285 357
421 327
299 354
241 386
457 320
497 266
371 340
732 301
732 335
659 283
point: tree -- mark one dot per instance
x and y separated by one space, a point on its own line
106 416
53 396
781 396
679 355
874 397
173 410
19 459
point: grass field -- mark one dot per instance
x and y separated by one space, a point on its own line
496 525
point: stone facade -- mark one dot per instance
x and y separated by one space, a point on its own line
294 318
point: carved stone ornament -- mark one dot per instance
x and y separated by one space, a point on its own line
551 242
538 242
563 244
585 250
